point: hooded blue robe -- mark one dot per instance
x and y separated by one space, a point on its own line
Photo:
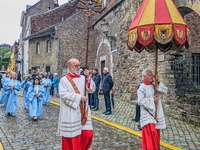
11 96
46 97
25 84
35 104
3 82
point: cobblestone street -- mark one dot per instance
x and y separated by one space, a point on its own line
21 132
177 133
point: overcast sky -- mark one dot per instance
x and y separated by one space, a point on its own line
10 15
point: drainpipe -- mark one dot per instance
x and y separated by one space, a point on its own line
58 51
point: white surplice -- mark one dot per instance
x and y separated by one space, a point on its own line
146 101
69 124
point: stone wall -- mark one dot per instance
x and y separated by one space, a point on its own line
193 21
73 35
43 59
49 18
188 105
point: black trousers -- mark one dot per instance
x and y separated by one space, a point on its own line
137 115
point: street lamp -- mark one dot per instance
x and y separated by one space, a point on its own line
104 26
113 39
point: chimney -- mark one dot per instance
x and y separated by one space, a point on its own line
56 3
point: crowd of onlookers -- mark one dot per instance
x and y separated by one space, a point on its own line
106 87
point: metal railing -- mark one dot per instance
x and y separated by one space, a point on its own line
187 74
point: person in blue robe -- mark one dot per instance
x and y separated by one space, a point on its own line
12 88
25 84
3 82
35 97
46 83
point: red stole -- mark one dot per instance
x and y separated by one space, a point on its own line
144 82
73 76
78 76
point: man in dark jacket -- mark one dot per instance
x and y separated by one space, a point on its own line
50 76
107 85
19 76
96 78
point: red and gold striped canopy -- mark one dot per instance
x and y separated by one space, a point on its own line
157 23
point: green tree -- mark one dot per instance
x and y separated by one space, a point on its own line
4 50
5 53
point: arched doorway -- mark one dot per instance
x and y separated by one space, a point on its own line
104 57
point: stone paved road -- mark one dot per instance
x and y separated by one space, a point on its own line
177 133
107 137
21 132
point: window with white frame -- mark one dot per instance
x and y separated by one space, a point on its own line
38 48
103 4
48 46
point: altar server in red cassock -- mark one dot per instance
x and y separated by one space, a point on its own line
75 136
147 100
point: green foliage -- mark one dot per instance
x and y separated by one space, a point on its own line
5 53
4 50
184 67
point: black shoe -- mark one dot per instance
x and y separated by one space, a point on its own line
105 112
108 113
139 127
95 109
9 114
133 119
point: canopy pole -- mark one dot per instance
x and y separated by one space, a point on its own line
156 82
86 57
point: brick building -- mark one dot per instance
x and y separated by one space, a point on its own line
66 24
15 48
25 22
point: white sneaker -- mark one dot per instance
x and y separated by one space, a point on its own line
13 114
35 118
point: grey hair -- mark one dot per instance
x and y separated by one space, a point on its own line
41 73
12 74
45 73
144 73
55 74
69 62
106 69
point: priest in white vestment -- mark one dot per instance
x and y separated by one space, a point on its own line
147 99
75 136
